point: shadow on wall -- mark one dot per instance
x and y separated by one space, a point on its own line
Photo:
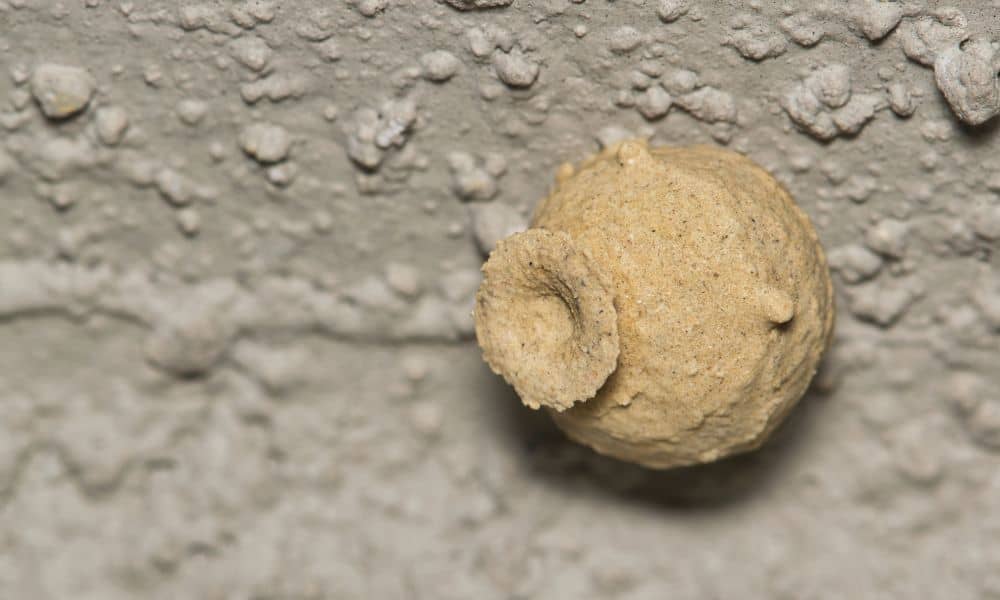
548 456
978 135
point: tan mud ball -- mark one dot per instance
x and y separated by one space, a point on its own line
668 305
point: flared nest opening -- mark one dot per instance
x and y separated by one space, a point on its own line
545 319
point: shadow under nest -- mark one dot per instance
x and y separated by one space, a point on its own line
547 455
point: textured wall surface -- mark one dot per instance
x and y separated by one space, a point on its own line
239 242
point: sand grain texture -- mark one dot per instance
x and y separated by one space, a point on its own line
720 290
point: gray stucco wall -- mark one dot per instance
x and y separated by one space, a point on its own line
238 245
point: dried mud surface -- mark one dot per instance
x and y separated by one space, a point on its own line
239 246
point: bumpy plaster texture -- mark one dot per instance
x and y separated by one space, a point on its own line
670 305
239 248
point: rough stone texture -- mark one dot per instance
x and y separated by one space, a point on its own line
266 143
967 77
333 434
714 278
61 91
